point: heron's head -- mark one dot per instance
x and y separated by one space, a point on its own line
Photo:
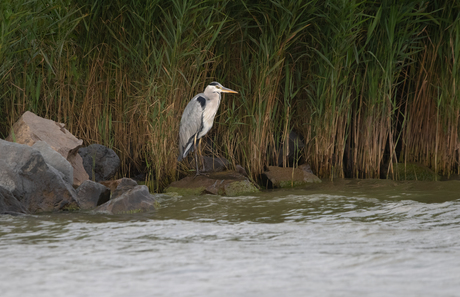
216 87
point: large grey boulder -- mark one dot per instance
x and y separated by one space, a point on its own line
9 204
39 187
91 194
31 128
137 199
100 162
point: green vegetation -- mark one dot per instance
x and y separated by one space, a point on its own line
365 83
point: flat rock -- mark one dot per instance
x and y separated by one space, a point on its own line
228 183
279 177
31 128
138 199
37 186
91 194
100 162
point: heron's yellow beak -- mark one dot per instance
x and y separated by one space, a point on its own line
227 90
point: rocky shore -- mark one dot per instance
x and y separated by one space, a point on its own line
44 168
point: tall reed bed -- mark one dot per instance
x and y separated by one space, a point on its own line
262 61
431 134
364 83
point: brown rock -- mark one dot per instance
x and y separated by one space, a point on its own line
79 172
278 177
31 128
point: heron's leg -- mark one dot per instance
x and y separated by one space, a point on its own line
196 157
201 155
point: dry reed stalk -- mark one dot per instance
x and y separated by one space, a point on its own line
431 139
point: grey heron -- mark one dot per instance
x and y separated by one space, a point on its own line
198 118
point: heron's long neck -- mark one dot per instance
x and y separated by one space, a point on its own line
213 104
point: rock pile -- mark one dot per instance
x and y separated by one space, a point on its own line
41 171
37 185
31 128
44 168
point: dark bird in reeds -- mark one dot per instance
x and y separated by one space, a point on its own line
198 118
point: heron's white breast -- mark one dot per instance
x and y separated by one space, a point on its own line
209 114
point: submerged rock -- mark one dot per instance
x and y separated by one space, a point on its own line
228 183
278 177
36 185
31 128
100 162
137 199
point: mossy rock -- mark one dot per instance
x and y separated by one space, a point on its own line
413 171
226 183
291 183
278 177
240 187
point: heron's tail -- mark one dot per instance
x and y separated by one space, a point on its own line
184 152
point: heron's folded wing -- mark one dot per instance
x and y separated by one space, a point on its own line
190 125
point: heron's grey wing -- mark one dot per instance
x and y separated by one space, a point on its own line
190 125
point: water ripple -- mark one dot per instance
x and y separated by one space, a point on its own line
353 240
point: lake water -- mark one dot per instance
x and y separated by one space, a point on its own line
341 238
